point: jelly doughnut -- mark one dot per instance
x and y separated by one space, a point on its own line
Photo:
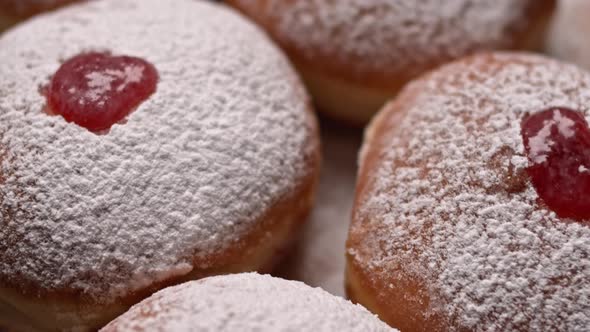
143 143
473 200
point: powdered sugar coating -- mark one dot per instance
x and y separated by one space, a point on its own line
449 204
246 302
393 35
226 135
568 37
541 143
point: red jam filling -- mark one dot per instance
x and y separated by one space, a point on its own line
96 90
557 143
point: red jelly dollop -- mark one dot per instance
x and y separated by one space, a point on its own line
97 90
557 143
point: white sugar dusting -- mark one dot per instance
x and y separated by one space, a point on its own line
225 136
564 124
393 36
246 302
540 144
100 82
440 209
131 74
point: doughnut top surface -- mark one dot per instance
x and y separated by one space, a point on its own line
393 36
246 302
445 201
226 135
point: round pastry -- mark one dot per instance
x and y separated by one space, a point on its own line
356 54
14 11
473 200
143 143
245 302
568 37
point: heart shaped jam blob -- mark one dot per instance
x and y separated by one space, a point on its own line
557 142
96 90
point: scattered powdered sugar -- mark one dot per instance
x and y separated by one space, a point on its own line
568 37
564 125
541 143
246 302
100 82
450 204
393 36
224 137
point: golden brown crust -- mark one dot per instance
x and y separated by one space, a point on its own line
14 11
21 9
343 100
390 302
384 298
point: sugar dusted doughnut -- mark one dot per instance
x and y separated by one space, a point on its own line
246 302
472 208
143 143
356 54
